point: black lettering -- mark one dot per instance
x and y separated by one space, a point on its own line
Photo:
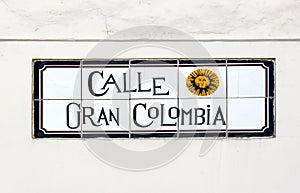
135 114
68 116
158 86
197 115
90 84
219 113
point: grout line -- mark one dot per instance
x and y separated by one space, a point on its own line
178 121
121 99
226 100
81 117
129 102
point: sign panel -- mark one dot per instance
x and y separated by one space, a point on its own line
131 98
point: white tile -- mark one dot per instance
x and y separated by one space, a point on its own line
61 83
158 117
246 81
107 82
205 114
246 113
159 82
106 115
220 90
55 115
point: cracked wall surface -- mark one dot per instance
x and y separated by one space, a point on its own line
81 19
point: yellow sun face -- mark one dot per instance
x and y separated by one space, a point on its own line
202 82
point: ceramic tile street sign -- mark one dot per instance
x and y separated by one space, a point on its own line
154 98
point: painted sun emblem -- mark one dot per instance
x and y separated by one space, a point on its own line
202 82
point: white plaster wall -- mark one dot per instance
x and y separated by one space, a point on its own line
49 165
77 19
232 165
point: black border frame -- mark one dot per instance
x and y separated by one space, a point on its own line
39 64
